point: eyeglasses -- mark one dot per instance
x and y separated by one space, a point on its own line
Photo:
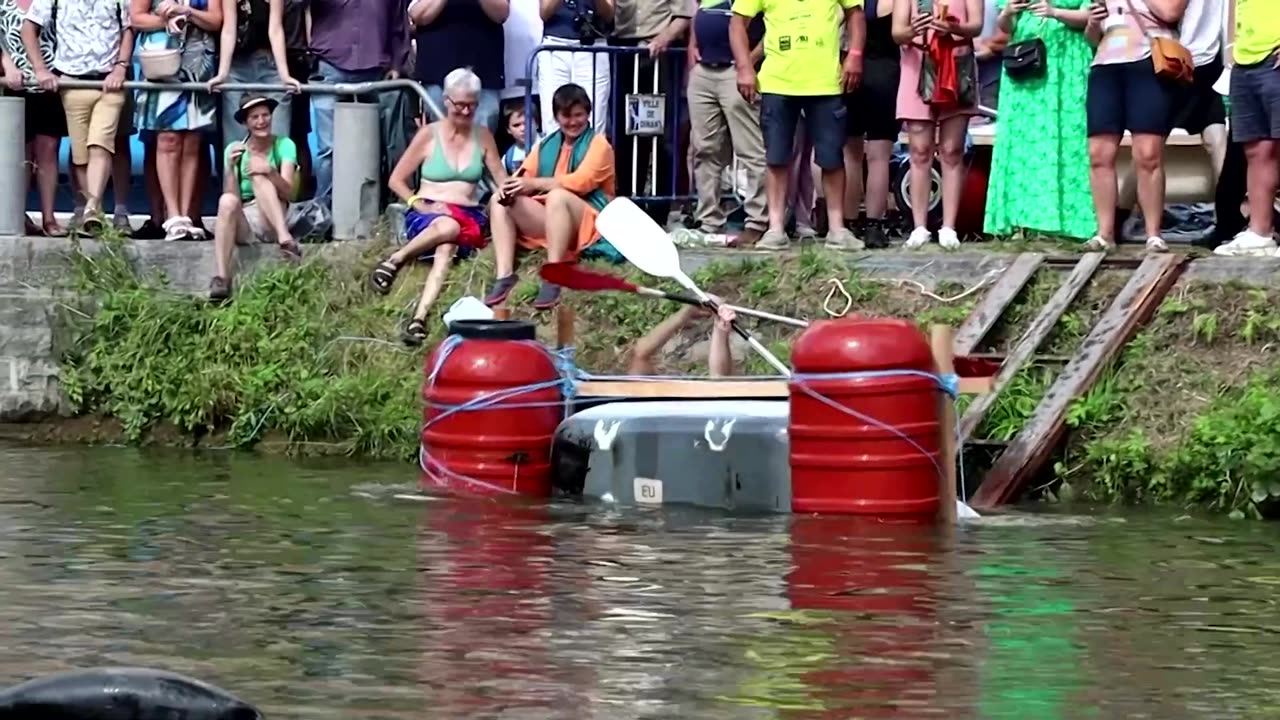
462 105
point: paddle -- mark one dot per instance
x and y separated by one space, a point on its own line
575 277
647 246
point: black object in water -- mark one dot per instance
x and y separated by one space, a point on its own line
121 694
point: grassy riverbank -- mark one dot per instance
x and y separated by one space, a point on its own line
307 360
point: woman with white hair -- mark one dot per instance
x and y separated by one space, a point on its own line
445 217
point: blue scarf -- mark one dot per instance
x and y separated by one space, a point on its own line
548 154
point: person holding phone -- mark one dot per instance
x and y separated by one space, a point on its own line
1042 116
920 27
1126 95
259 176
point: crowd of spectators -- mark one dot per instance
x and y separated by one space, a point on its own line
769 92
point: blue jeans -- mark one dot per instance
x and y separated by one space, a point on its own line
487 113
256 68
322 106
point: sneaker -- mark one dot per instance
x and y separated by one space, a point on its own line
1099 244
805 232
774 240
874 237
548 297
502 288
843 239
176 228
1156 244
948 239
149 231
918 238
1247 244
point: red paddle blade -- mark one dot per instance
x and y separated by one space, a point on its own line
573 276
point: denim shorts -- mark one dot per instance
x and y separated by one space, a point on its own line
1129 96
824 118
1255 102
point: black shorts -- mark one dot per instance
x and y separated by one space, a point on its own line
824 118
1128 96
44 115
1255 102
300 105
1197 106
872 109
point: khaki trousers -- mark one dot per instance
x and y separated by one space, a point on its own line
723 125
92 119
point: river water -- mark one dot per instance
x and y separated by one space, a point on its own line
311 590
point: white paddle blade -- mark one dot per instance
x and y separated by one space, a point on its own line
640 240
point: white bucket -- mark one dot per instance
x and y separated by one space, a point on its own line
467 308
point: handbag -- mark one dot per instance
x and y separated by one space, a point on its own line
1169 58
1025 60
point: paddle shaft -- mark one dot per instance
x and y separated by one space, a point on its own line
739 310
761 350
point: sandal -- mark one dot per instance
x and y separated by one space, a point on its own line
54 230
290 250
414 333
383 277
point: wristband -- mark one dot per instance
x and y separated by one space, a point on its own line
413 200
856 53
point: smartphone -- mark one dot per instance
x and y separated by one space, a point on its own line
504 200
925 7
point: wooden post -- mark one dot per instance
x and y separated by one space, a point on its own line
565 318
502 314
941 338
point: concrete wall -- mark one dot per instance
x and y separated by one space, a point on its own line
36 291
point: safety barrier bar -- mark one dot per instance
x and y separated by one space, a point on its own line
357 165
651 107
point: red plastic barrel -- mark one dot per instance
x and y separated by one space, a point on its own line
501 446
881 461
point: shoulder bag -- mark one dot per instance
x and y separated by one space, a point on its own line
1170 59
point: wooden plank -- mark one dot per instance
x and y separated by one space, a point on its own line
974 329
1028 452
715 389
1031 341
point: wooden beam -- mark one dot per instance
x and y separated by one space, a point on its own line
1028 452
716 389
941 339
1031 341
985 316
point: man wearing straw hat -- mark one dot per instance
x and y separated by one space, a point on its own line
259 181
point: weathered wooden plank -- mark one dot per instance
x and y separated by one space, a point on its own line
1030 341
974 329
1028 451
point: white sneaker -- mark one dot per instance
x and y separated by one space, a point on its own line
918 238
948 239
1247 244
1156 244
1099 244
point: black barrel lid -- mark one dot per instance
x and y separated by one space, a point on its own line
493 329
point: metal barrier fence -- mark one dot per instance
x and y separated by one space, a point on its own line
647 147
357 175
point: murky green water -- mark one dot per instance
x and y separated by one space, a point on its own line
315 593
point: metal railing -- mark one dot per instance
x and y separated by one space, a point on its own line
652 107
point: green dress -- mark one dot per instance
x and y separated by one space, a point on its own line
1040 167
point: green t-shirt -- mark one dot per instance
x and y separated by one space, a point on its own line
801 44
1257 30
282 150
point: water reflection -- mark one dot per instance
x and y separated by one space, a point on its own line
311 590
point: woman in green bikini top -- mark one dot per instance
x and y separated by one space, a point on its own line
444 216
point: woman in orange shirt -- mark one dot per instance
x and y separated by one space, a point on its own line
554 197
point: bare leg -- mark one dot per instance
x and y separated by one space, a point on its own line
226 230
1148 158
564 215
441 230
121 173
853 188
920 139
505 224
1262 185
46 159
191 170
879 153
440 265
168 172
951 154
1102 181
272 208
151 180
1215 143
776 191
99 170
